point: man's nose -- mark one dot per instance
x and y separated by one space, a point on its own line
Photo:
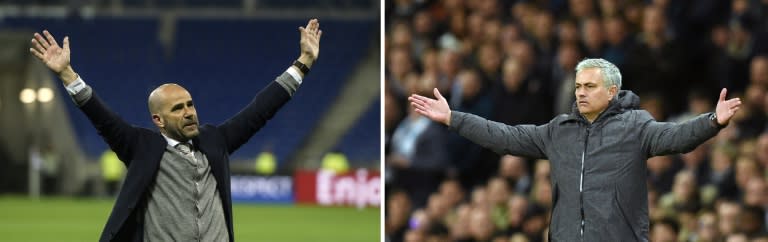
188 113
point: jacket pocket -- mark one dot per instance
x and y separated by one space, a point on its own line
623 214
551 214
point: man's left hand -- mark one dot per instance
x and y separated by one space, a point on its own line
310 42
726 108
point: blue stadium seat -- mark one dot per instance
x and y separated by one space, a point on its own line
223 63
362 142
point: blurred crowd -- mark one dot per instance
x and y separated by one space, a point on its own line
513 62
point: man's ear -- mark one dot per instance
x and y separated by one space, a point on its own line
613 90
159 122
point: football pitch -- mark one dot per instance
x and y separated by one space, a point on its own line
71 219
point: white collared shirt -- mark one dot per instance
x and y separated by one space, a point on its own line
172 142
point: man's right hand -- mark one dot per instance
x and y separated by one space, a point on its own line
56 58
436 110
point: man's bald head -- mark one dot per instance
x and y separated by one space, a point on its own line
158 96
173 112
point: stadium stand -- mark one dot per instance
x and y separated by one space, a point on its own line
209 56
363 138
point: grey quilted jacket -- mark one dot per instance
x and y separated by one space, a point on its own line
598 170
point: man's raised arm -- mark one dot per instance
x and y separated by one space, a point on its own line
238 129
661 138
521 140
115 131
56 58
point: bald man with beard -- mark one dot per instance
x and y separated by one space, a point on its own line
177 187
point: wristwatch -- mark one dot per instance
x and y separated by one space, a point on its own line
713 119
301 66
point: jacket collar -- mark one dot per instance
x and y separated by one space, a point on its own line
624 101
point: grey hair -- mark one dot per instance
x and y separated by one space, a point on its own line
611 74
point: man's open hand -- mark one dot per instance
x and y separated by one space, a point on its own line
55 57
726 108
434 109
310 42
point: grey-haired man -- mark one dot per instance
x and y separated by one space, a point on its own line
597 152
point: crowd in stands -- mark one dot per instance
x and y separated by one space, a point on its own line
513 62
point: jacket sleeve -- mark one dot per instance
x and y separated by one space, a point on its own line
239 128
521 140
663 138
119 135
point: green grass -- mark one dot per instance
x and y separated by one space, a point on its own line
68 219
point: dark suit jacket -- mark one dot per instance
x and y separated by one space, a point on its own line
142 149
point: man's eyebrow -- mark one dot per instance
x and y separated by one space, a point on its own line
177 106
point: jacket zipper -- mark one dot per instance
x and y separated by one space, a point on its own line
581 184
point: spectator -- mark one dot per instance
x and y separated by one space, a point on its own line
517 209
656 61
664 230
617 39
398 208
414 236
437 211
722 175
568 32
452 192
761 150
758 71
661 174
398 67
418 157
460 227
481 227
423 32
514 171
756 194
609 8
752 221
737 238
728 213
488 59
498 195
449 67
544 39
515 96
592 36
684 195
740 50
746 168
707 228
563 77
470 95
581 8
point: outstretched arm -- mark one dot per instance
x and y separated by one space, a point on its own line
116 132
661 138
238 129
521 140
